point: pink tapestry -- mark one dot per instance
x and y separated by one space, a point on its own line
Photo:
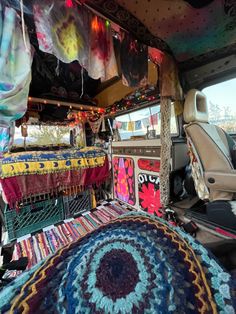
124 186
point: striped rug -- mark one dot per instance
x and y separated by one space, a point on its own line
40 245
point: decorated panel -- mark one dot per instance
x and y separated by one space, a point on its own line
124 181
149 193
149 165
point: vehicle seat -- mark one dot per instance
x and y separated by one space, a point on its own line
210 151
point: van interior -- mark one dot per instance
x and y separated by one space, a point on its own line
118 156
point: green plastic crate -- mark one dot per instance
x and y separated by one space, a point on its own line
76 204
33 217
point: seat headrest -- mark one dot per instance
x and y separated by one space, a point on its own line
195 107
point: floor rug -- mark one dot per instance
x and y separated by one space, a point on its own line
40 245
134 264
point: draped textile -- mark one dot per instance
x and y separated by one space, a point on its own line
26 163
134 62
102 61
18 188
95 125
62 31
6 138
74 33
15 67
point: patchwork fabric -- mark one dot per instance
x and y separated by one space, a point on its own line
135 264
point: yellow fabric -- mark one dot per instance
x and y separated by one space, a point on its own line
169 79
20 168
179 107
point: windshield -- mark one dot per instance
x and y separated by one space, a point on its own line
222 105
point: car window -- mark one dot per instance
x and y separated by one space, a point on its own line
135 124
43 135
222 105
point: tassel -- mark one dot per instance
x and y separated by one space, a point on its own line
94 203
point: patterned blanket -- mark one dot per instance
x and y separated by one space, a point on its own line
25 176
48 162
135 264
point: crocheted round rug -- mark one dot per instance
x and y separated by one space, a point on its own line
135 264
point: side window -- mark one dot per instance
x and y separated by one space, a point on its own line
222 105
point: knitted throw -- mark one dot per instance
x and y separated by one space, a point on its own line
135 264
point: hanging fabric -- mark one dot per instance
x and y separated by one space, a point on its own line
102 61
62 30
154 119
73 33
95 125
131 126
134 62
138 125
6 138
15 67
155 55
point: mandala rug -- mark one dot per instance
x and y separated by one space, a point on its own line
40 245
134 264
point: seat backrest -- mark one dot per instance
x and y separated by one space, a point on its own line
208 145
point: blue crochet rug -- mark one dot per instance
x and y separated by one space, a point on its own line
135 264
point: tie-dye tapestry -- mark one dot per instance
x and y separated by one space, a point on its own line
74 33
62 31
6 138
124 185
15 67
102 61
134 62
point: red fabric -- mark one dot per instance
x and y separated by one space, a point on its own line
154 119
96 175
149 164
19 187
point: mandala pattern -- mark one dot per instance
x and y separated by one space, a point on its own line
136 264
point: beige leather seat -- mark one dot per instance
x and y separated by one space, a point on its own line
212 166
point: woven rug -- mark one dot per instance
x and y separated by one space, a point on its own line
134 264
40 245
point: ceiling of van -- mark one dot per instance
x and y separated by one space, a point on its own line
195 30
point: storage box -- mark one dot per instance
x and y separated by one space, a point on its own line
76 204
33 217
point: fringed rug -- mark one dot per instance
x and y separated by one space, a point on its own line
38 246
134 264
